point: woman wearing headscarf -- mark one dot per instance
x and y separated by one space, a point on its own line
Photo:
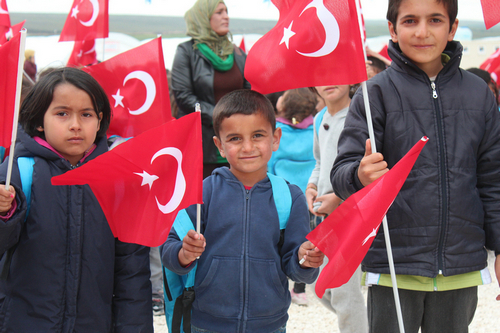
206 68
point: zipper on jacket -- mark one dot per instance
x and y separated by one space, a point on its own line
244 314
442 164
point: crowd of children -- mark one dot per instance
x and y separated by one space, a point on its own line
62 270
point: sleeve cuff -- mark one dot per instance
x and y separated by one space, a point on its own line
11 212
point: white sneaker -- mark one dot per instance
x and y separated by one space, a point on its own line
300 299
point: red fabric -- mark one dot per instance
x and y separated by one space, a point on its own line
346 235
242 45
88 19
9 58
492 65
491 12
7 33
83 54
275 64
130 203
4 14
384 53
136 85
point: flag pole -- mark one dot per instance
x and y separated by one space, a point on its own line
20 69
197 108
385 225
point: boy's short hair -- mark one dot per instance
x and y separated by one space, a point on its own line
393 10
40 97
243 101
299 104
377 64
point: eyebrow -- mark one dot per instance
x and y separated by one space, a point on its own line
414 16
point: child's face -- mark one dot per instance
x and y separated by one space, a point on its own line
70 123
422 31
247 141
334 94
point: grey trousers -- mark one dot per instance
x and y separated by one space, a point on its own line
156 273
434 312
348 303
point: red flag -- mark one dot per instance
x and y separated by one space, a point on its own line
7 33
83 54
346 235
492 65
88 19
491 12
4 14
9 58
136 84
313 44
384 52
242 44
143 183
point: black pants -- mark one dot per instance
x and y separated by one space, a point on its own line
435 312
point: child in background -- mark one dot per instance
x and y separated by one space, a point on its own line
62 269
294 159
347 301
447 213
241 282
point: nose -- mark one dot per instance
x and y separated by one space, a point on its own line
74 123
247 145
422 30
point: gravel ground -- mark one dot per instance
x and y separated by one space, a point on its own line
316 318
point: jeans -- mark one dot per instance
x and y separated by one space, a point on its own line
282 329
434 312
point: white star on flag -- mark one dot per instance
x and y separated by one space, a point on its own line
147 178
372 234
74 11
118 99
287 34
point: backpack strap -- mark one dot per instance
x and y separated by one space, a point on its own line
25 165
282 198
319 119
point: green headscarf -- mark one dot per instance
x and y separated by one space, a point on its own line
198 26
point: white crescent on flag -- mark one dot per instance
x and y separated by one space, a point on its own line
2 10
149 82
95 14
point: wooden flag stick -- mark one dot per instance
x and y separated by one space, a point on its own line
385 225
20 69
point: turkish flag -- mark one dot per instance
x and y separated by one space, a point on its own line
242 45
346 235
4 14
314 43
83 54
492 65
142 183
9 58
88 19
491 12
136 85
7 33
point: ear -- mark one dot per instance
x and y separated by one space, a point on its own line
276 138
39 128
218 143
99 123
453 30
392 31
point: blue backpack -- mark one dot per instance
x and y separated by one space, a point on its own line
179 289
25 165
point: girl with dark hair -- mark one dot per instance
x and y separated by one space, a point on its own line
61 268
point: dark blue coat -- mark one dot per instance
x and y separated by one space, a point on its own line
68 272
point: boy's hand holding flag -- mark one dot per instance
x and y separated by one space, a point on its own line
136 85
346 235
143 183
314 43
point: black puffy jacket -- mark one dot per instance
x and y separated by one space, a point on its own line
448 210
68 273
193 82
